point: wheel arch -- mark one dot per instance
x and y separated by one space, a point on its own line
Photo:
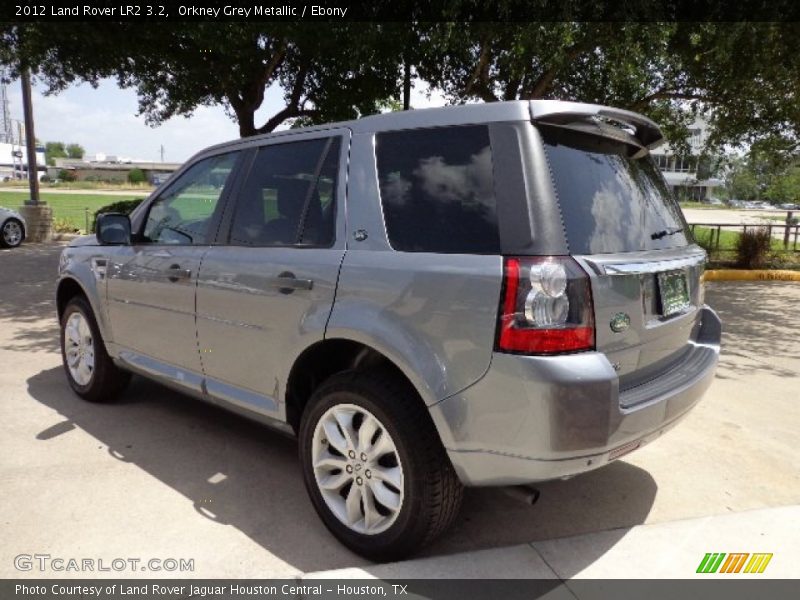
67 289
328 357
70 286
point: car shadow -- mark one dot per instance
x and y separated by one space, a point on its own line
239 473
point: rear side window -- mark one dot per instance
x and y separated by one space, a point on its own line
288 197
437 190
610 201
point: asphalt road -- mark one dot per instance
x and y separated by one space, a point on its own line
159 475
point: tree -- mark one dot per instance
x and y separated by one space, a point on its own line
136 176
740 182
54 150
769 171
75 151
177 67
744 76
785 187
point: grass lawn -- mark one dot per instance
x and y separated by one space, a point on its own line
725 255
69 207
727 238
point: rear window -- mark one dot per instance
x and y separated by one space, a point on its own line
437 190
610 201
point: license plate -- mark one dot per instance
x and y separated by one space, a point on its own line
674 292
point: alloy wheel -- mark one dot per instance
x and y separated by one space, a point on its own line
357 469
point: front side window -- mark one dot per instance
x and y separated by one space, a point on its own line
182 214
289 196
437 190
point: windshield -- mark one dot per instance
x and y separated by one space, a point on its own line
610 201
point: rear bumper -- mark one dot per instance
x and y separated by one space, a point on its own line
533 418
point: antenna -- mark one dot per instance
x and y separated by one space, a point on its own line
6 128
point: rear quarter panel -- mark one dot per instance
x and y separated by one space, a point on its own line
434 315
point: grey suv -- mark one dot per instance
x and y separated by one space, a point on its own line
480 295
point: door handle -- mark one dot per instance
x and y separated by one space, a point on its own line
287 282
175 273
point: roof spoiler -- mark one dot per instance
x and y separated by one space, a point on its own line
562 113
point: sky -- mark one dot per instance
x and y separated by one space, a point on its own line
104 120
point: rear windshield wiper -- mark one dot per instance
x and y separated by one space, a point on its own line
664 233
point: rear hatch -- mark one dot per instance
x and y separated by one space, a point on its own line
624 226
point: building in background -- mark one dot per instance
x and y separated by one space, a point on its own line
681 171
14 161
111 169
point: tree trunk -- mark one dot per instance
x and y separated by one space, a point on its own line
247 122
407 85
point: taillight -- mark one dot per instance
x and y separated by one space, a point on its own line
546 306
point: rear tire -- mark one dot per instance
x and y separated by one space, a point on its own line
368 434
90 371
12 233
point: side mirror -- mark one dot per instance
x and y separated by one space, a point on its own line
113 229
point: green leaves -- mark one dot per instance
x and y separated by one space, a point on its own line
744 77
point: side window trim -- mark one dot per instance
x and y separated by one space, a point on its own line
214 223
301 225
239 175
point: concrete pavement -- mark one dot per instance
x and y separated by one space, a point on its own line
658 551
730 216
159 475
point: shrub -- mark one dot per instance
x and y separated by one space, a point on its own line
123 206
753 247
45 179
65 175
136 176
62 225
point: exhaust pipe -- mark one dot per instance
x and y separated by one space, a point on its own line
524 493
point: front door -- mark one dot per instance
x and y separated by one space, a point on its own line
267 291
151 284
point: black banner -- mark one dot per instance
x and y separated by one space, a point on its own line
402 10
374 589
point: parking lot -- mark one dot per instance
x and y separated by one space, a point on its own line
160 475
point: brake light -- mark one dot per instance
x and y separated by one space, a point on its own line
546 306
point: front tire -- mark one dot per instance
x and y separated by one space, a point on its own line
90 371
374 465
12 233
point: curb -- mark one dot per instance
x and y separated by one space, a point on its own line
753 275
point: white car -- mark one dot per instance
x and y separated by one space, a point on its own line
12 228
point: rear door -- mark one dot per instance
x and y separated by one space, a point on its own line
266 289
623 223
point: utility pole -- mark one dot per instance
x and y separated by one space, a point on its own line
30 138
38 215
